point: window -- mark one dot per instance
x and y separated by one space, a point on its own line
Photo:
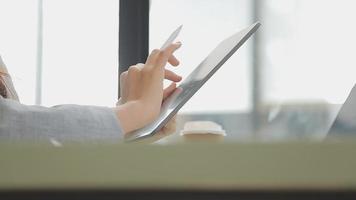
307 50
79 51
18 41
304 60
205 24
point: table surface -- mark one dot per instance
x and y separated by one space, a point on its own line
229 166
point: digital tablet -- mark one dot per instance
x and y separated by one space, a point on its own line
195 80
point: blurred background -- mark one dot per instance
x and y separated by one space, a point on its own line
286 82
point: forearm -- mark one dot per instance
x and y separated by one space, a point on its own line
63 123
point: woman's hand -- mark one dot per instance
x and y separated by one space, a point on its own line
167 130
142 90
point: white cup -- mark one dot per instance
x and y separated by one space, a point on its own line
202 131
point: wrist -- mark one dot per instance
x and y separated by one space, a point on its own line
130 115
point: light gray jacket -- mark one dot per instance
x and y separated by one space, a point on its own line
59 123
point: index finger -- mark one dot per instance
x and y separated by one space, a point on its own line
163 56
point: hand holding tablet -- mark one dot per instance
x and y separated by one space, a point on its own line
142 87
155 66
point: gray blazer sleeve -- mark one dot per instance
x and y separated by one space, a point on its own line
59 123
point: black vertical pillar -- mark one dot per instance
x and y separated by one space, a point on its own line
133 33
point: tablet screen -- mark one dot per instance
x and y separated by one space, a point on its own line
195 81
